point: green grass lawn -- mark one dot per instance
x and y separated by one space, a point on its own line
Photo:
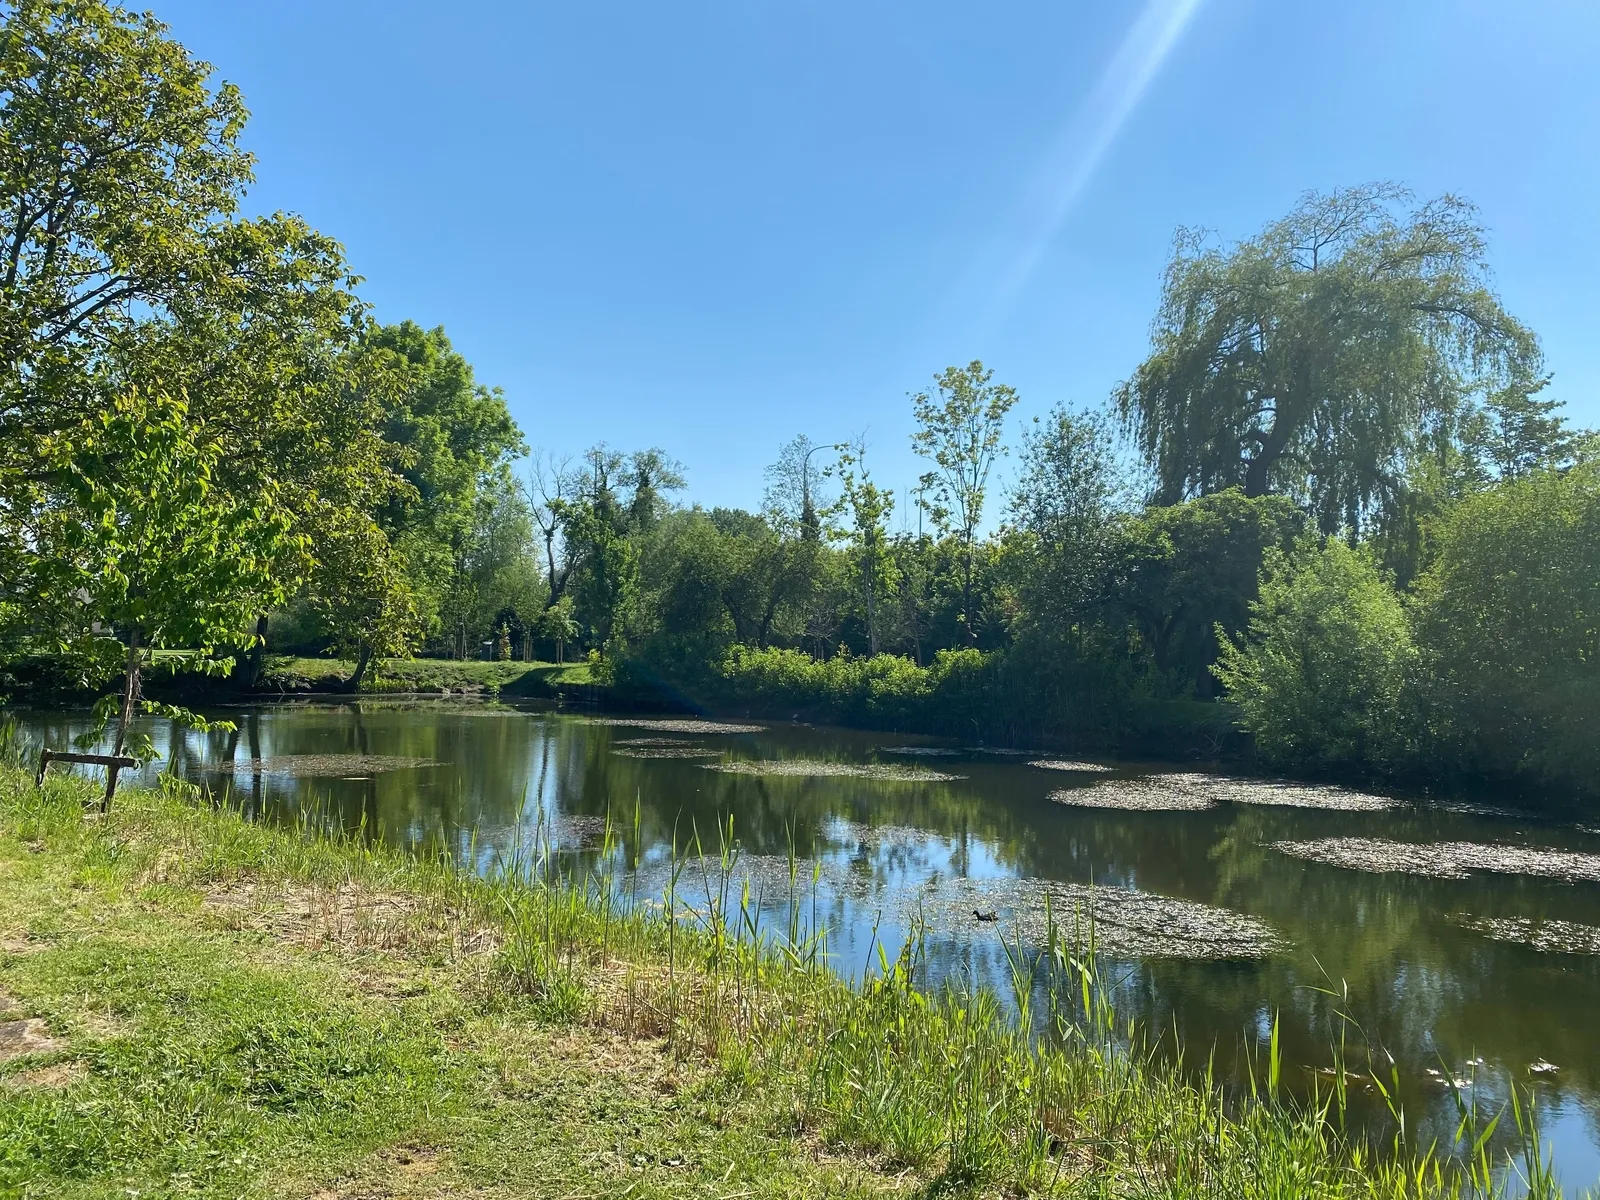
200 1006
423 675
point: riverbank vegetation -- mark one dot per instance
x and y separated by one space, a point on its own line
221 1007
1334 519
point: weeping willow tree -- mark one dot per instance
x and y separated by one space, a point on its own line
1314 359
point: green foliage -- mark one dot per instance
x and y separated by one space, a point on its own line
1321 674
961 433
143 540
1311 359
1189 569
1508 621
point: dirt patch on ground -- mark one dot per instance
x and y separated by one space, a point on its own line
317 766
348 917
809 769
1446 860
20 1038
56 1075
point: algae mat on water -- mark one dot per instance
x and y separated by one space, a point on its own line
816 769
1445 860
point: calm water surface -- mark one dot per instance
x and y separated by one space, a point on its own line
1254 931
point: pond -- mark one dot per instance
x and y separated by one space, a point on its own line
1464 940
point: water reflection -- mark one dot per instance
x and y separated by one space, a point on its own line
1407 952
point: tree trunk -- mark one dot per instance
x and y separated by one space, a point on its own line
966 596
130 690
1256 476
258 651
363 660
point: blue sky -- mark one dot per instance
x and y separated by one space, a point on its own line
710 226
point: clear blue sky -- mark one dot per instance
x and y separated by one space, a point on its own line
710 226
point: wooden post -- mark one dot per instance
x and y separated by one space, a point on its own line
113 763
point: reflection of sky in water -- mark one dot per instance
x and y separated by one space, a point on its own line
1422 981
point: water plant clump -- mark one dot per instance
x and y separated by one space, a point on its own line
1552 936
1445 860
692 725
920 751
1127 923
323 765
1134 795
666 752
1068 764
817 768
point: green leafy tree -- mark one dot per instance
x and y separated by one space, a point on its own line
1308 360
960 425
141 540
866 508
453 437
1062 511
558 626
1508 620
1185 571
124 266
1321 674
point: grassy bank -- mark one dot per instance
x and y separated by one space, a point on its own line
291 674
219 1008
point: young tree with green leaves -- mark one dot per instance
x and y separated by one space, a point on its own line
866 508
142 540
960 425
1322 672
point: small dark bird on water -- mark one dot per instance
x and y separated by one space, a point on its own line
986 916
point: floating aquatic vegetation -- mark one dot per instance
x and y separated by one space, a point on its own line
1469 809
809 768
1127 923
666 752
1557 937
648 741
1134 795
920 751
674 724
1542 1068
1069 764
343 766
1445 860
1292 795
1007 750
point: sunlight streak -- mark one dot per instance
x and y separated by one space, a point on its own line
1072 160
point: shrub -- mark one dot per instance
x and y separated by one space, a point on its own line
1508 622
1321 673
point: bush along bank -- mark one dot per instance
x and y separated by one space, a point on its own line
996 697
231 1009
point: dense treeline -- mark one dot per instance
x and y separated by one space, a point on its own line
1332 507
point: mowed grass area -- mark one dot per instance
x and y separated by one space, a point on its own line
204 1006
298 674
